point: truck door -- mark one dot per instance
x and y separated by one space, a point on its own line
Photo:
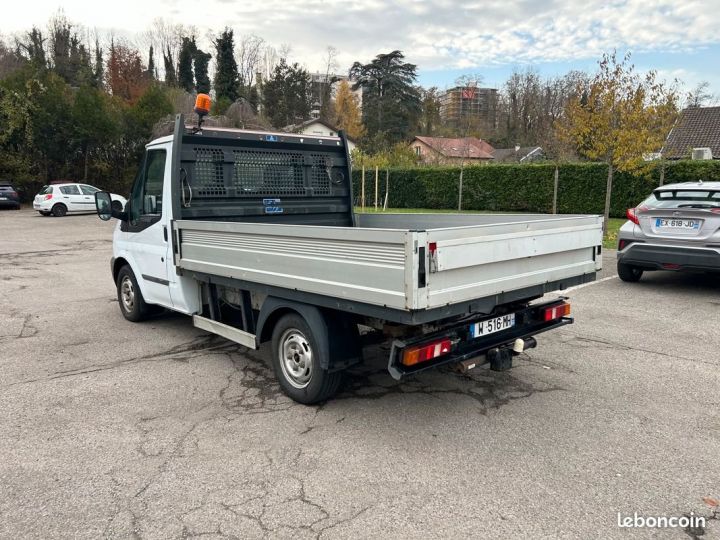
146 236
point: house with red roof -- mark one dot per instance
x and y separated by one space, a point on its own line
447 151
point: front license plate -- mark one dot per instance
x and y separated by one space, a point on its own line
664 223
490 326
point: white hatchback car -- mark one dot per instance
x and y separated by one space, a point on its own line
61 199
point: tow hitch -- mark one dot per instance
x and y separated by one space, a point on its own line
499 358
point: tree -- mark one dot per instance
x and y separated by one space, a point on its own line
125 73
700 96
33 47
185 64
98 70
347 111
227 82
200 63
152 72
391 101
93 122
623 116
286 95
430 119
169 64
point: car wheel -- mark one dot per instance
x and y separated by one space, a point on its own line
59 210
132 303
297 361
116 206
629 273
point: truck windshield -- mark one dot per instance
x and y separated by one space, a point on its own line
683 199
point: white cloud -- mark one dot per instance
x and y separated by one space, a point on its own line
436 34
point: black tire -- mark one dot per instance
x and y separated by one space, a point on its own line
59 210
292 333
130 298
116 206
629 273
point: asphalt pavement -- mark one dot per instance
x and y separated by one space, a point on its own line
110 429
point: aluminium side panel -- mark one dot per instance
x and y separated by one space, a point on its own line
476 262
354 264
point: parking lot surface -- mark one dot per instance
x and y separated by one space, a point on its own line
159 430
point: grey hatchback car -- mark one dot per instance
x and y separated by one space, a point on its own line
676 228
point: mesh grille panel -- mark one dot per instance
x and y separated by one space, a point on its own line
208 179
256 172
320 173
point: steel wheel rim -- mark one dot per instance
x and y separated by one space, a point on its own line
127 293
296 358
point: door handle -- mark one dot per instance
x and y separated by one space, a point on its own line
165 232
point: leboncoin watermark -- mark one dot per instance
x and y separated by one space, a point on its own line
660 522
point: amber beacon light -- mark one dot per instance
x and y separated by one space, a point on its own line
202 107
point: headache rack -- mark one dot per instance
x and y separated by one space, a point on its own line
241 175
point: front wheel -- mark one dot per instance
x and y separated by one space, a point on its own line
629 273
297 361
132 303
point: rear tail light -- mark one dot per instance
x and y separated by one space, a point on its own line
715 210
633 213
48 196
423 353
13 193
556 312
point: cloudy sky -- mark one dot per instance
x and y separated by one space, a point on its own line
445 38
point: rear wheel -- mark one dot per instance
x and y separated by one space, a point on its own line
132 303
297 361
628 272
59 210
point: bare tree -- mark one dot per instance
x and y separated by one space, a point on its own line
249 57
700 96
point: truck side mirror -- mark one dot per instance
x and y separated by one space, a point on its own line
103 205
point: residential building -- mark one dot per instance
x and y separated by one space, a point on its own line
315 126
697 128
446 151
518 154
469 106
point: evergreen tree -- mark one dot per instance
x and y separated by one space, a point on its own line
98 71
391 101
202 79
169 64
151 64
186 80
227 79
286 95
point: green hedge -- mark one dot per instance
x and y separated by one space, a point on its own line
527 188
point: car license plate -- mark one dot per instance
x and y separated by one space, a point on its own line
664 223
3 199
490 326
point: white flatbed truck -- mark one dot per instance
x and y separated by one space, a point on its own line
254 235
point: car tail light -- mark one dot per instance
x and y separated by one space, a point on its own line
632 216
13 193
715 210
556 312
423 353
48 196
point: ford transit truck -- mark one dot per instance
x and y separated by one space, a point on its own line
254 236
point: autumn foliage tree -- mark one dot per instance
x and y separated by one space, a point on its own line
125 73
622 116
347 111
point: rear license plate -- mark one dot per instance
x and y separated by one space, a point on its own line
663 223
3 199
490 326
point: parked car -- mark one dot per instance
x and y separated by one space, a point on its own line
676 228
61 199
9 197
